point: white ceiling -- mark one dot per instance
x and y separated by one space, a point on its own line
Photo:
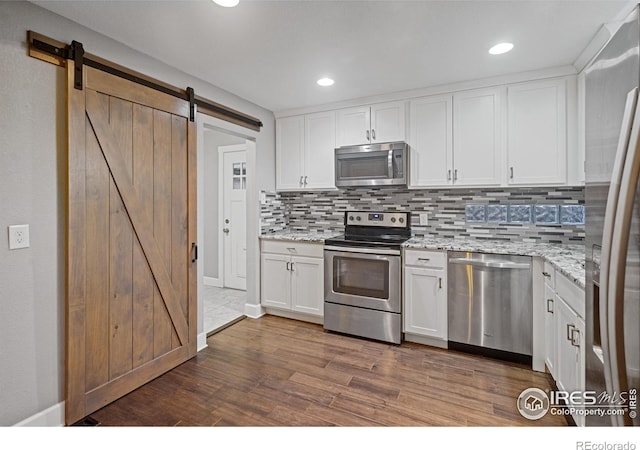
272 52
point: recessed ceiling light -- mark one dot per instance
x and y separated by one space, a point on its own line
325 82
227 3
503 47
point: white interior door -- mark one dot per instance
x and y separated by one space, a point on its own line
234 221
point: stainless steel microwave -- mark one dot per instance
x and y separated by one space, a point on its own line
372 165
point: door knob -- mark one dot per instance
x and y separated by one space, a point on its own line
225 230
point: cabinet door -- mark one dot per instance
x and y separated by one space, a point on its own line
289 153
425 304
477 137
319 147
307 294
550 330
353 126
537 132
388 122
431 141
276 281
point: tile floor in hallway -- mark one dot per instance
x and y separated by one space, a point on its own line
222 306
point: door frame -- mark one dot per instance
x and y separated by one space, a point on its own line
205 122
222 149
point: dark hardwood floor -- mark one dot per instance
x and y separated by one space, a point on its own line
279 372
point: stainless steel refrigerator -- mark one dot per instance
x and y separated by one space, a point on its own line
612 198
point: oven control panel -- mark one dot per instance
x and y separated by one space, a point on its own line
377 219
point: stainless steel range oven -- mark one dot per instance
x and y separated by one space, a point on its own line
363 289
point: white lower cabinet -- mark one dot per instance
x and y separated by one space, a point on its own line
564 334
292 277
425 297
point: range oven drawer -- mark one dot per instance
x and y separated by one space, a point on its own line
368 323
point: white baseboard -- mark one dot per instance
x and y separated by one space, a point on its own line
50 417
210 281
202 341
253 311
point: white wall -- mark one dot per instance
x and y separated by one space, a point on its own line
32 190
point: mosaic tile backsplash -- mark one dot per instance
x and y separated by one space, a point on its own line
503 214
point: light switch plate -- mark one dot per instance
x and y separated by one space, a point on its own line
424 220
18 236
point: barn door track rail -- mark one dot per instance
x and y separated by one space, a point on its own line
56 52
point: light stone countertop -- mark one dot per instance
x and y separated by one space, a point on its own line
302 236
567 259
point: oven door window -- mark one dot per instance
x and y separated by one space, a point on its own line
361 277
372 165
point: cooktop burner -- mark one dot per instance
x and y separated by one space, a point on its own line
374 229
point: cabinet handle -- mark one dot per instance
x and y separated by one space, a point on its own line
570 329
288 266
292 249
368 136
511 169
575 337
293 267
440 282
455 175
301 177
550 303
305 180
373 134
546 274
449 175
424 259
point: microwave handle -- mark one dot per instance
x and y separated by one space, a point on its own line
390 164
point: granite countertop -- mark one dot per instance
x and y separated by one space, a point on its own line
302 236
567 259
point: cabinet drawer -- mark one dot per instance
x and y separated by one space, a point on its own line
422 258
293 248
572 294
549 273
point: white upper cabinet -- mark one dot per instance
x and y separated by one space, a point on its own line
537 133
477 128
289 152
431 141
305 151
384 122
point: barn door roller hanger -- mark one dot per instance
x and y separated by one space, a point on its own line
58 53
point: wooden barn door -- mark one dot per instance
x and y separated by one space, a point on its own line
131 300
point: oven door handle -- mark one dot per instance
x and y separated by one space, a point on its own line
365 250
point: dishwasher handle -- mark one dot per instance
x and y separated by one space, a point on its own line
491 264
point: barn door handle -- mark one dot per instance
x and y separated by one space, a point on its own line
194 248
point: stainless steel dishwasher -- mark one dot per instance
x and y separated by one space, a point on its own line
490 304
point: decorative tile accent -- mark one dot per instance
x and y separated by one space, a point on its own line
572 214
497 213
324 211
519 214
546 213
475 213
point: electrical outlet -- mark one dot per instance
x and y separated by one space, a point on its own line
18 236
424 219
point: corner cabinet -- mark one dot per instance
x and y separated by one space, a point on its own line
564 333
537 133
292 276
383 122
305 151
425 297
